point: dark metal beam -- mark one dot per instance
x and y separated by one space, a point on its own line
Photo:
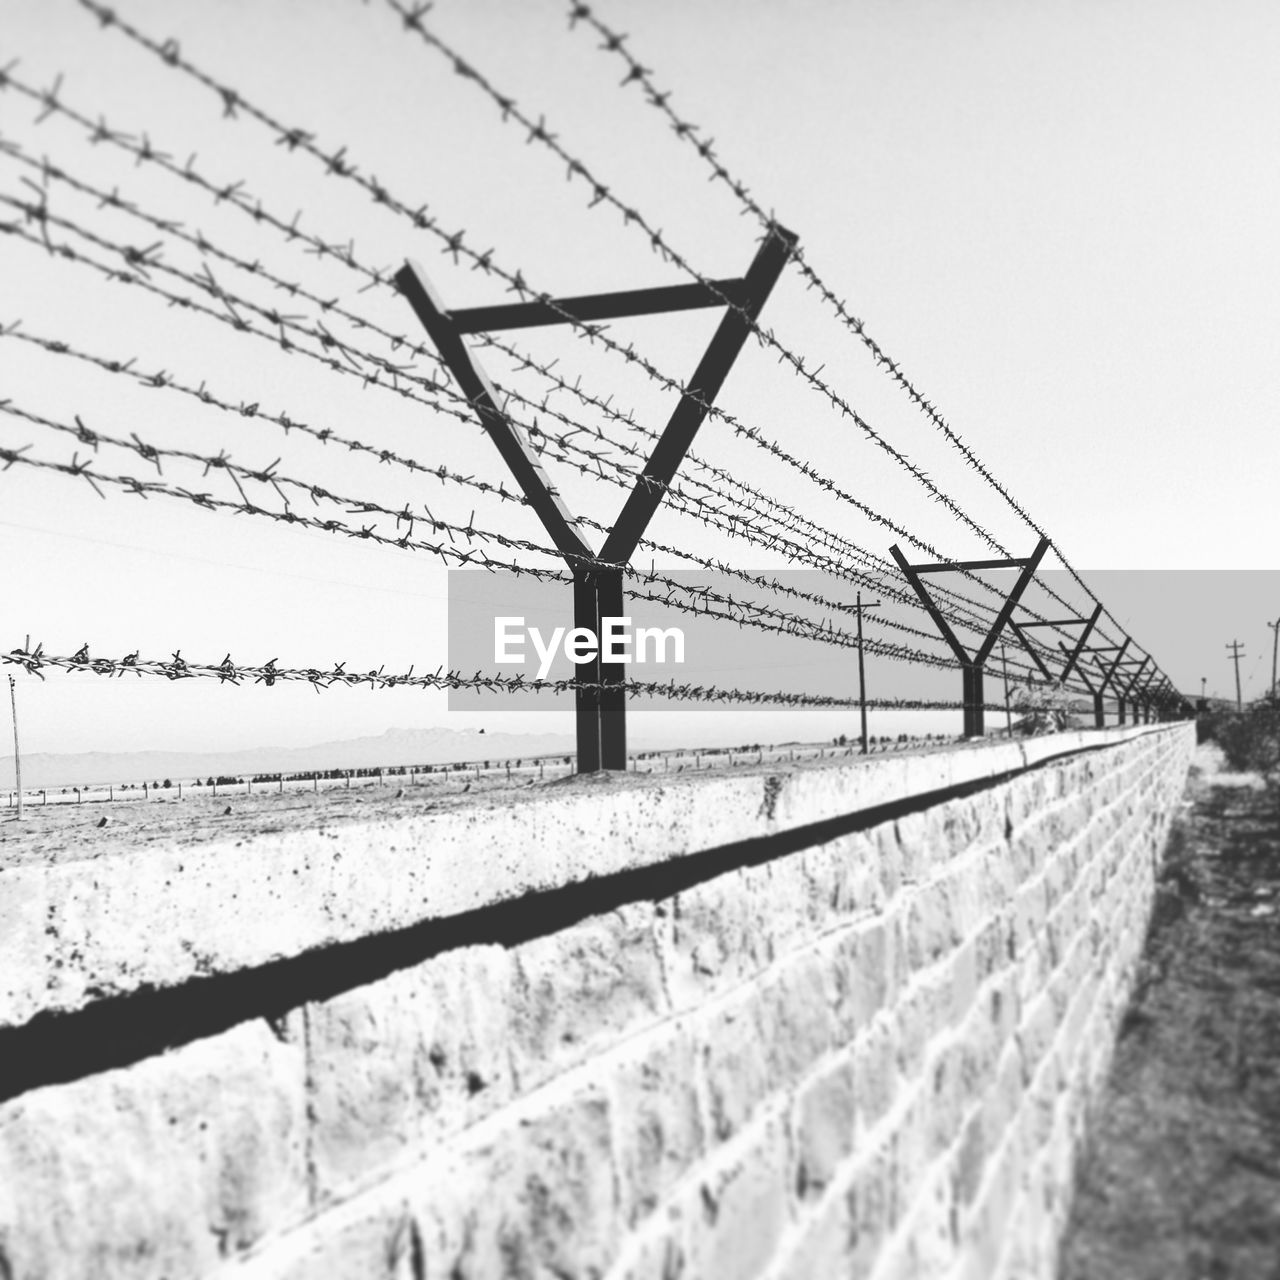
600 306
1132 683
586 613
971 665
523 464
1080 674
947 565
927 600
1016 628
598 587
701 390
1084 635
1029 567
1060 622
1109 673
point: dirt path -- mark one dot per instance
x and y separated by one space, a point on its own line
1182 1178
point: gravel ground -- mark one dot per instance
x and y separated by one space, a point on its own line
1182 1176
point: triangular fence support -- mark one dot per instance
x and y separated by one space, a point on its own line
1099 690
1146 695
972 665
597 577
1126 695
1073 655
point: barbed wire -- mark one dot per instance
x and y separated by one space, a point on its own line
237 196
539 436
692 505
698 599
790 519
161 379
287 424
339 165
142 261
198 240
538 132
603 194
871 568
692 136
36 661
237 473
454 244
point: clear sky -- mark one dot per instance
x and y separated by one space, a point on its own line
1059 218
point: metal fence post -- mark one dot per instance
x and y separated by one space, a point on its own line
597 578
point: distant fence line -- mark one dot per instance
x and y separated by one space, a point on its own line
516 769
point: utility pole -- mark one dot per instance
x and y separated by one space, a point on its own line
17 758
1236 655
1204 680
862 676
1275 648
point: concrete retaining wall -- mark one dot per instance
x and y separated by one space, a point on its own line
830 1021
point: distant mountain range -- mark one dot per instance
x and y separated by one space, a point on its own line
395 747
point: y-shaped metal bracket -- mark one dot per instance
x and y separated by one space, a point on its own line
1126 686
1099 690
597 577
1073 656
972 665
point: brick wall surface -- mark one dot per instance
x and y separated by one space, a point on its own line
871 1057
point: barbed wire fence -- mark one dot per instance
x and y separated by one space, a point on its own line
540 411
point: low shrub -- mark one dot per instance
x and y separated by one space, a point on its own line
1042 707
1250 739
